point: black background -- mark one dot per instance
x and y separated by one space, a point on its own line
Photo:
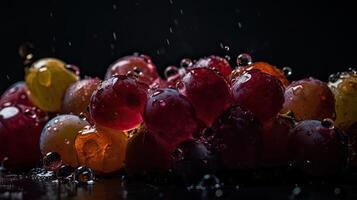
313 39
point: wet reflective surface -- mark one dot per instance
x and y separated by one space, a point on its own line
22 187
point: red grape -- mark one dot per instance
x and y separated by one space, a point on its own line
275 142
316 148
208 92
259 92
139 65
118 103
237 139
215 63
145 154
20 129
309 99
16 94
170 116
77 96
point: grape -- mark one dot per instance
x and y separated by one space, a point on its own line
77 96
260 93
142 66
170 116
47 80
317 148
309 99
237 139
103 150
275 142
344 88
216 63
145 154
20 128
16 94
208 92
118 103
264 67
58 136
191 159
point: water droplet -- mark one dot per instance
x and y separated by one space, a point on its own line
171 2
157 93
219 193
208 181
177 155
334 77
114 36
227 57
30 113
9 112
240 25
69 43
73 69
328 123
186 62
337 191
84 175
287 71
167 42
170 71
352 69
296 191
64 171
244 60
52 161
115 6
171 30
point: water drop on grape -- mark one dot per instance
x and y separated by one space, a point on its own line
186 62
52 161
244 60
328 123
170 71
73 69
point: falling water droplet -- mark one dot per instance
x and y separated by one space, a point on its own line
287 71
52 161
244 60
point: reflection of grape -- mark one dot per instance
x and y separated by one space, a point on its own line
208 92
47 80
316 148
59 135
344 88
237 139
118 103
259 92
309 99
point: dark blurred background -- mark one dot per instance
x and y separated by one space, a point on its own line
313 39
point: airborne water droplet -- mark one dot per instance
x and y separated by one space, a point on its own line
244 60
170 71
287 71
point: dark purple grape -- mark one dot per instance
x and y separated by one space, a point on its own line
237 139
317 148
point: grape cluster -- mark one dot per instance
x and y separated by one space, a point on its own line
203 116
